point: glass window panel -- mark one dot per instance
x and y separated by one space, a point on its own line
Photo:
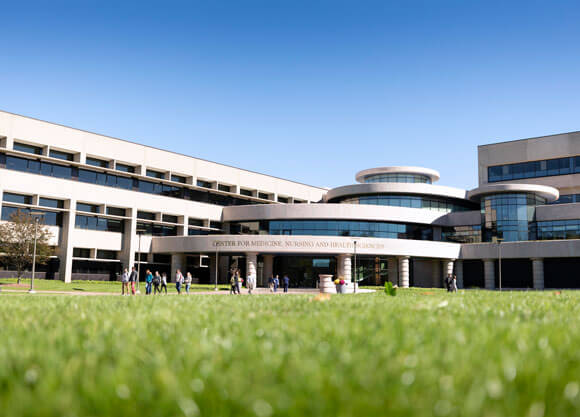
65 156
22 147
50 202
17 198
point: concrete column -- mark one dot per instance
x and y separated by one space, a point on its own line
268 269
251 264
65 247
447 268
404 271
459 273
538 271
129 247
212 269
178 261
393 269
489 273
345 267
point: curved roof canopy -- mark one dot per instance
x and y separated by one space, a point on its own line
431 173
549 193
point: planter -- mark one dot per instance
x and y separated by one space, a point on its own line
326 284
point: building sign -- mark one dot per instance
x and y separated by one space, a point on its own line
296 244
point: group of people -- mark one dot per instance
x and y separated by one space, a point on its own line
236 282
154 283
274 283
451 283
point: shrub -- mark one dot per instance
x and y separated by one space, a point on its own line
389 289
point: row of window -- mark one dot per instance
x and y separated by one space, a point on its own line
48 218
334 228
416 178
534 169
461 234
412 201
567 199
99 223
101 253
27 199
120 181
134 184
560 229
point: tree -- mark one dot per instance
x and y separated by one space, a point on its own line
17 241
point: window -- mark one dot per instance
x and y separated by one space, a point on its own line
106 254
115 211
223 187
65 156
50 202
22 147
264 196
99 223
170 219
195 222
178 178
125 168
245 192
156 229
145 215
160 258
155 174
296 201
97 162
283 200
90 208
215 225
204 184
48 218
81 253
17 198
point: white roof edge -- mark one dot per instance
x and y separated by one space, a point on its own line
431 173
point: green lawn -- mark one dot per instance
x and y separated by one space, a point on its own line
422 353
91 286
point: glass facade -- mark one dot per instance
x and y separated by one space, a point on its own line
417 178
334 228
444 205
23 147
558 229
157 229
567 199
534 169
509 216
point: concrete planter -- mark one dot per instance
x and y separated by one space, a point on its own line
327 284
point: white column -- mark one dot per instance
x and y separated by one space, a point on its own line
447 268
65 247
251 264
404 271
178 261
489 273
268 269
538 271
392 266
459 273
345 267
129 241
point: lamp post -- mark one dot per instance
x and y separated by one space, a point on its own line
215 288
499 240
354 291
36 215
139 232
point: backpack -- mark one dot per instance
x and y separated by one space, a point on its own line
156 280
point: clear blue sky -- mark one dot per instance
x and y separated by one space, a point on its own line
307 90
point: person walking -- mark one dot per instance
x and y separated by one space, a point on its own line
276 283
454 284
188 280
148 282
178 281
163 282
125 282
239 281
250 283
133 279
286 282
156 283
271 283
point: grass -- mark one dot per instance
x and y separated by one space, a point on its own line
421 353
92 286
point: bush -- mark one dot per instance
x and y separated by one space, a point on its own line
389 289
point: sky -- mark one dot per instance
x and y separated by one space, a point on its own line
311 91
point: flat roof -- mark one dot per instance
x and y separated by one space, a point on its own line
164 150
523 139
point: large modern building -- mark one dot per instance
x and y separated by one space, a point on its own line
110 203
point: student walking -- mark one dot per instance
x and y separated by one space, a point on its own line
133 279
239 281
234 283
163 282
188 280
250 283
148 282
276 283
286 282
125 282
271 283
178 281
454 284
156 283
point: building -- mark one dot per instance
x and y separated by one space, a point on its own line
111 203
